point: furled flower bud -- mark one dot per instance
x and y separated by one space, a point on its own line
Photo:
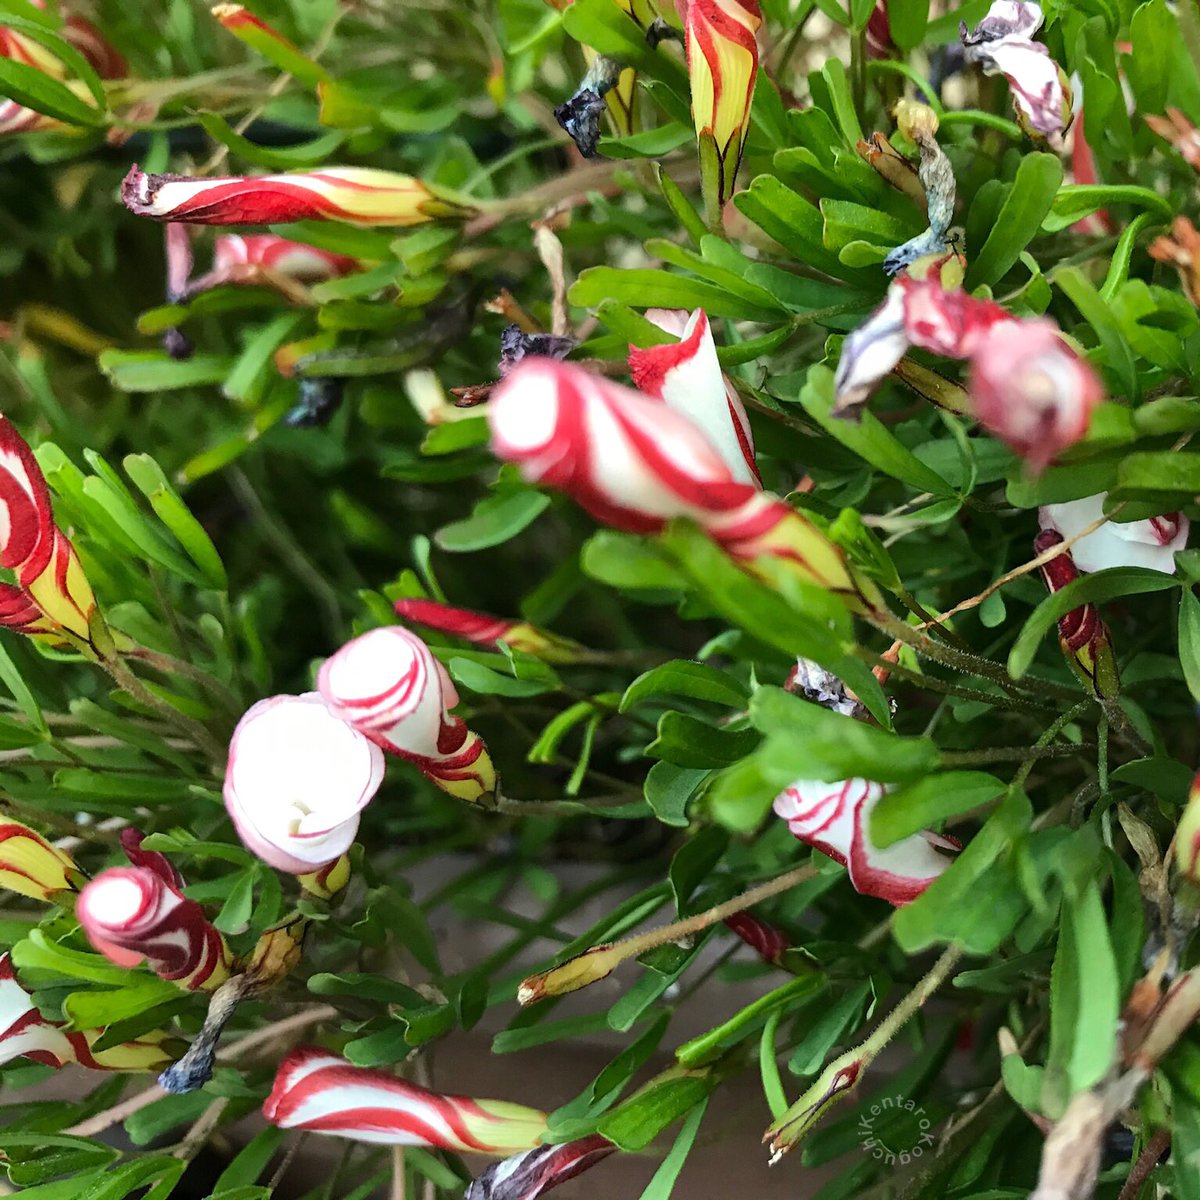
139 912
1082 634
269 42
835 819
278 950
1002 43
324 1093
634 464
1151 543
879 32
837 1080
388 685
25 1033
765 940
357 195
30 865
722 54
533 1173
24 51
485 630
50 580
297 780
327 881
1032 391
687 377
1027 387
1186 841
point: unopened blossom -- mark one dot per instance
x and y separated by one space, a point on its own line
51 596
355 195
482 629
1002 43
30 865
269 42
321 1092
879 32
1150 543
1187 837
635 464
533 1173
722 56
1028 387
23 50
686 375
768 942
26 1033
1082 633
270 260
1181 249
834 818
297 780
388 685
140 912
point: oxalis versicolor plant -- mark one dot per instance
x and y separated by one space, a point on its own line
809 388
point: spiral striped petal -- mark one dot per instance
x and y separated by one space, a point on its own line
30 865
634 464
687 377
296 780
25 1033
482 629
138 912
48 571
1082 633
356 195
722 55
388 685
833 818
324 1093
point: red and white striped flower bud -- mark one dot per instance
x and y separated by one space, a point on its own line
25 1033
139 912
1032 391
50 579
722 55
687 376
24 51
356 195
1082 633
297 780
1186 841
834 818
388 685
765 940
30 865
535 1172
487 631
630 461
635 464
1002 43
1151 543
323 1093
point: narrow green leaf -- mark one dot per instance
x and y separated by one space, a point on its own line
1028 201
